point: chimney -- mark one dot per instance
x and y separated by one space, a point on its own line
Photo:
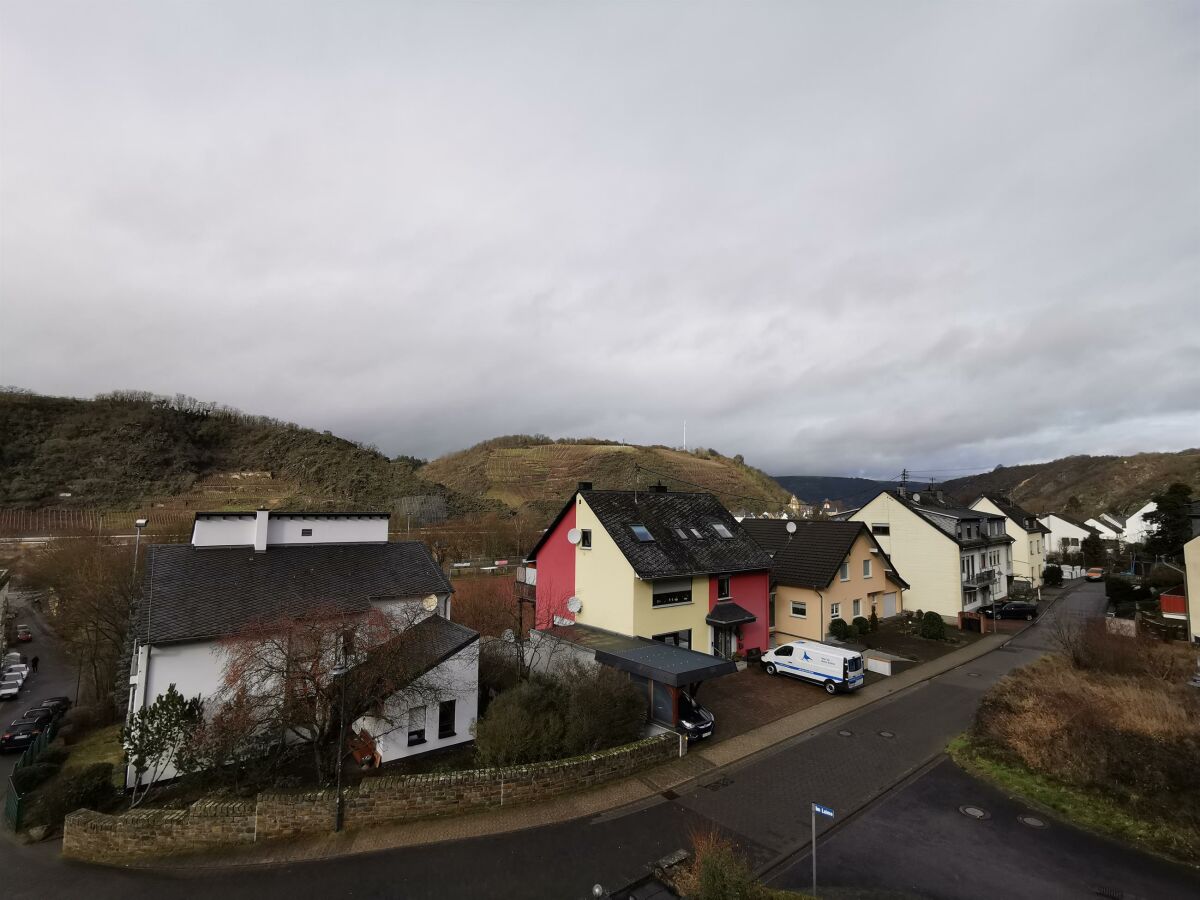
585 485
260 530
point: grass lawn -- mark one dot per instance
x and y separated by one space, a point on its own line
1089 810
101 746
892 638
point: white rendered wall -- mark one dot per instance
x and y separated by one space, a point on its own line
455 679
228 531
286 529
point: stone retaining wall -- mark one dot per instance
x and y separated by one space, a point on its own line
206 823
97 837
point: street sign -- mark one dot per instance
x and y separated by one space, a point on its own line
823 810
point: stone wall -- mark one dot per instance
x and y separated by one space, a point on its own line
97 837
207 823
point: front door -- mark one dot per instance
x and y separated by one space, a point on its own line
723 642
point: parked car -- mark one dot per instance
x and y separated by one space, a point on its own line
20 668
695 721
13 658
18 736
1015 609
49 713
61 704
834 668
37 716
1094 574
14 674
24 633
10 686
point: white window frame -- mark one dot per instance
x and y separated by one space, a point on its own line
856 607
803 604
835 610
867 568
585 539
844 571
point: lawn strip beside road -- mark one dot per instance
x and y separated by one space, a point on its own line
1087 810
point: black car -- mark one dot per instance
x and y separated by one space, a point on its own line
18 735
40 716
1015 610
59 704
695 721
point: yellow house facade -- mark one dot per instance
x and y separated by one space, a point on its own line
1191 560
1028 534
861 585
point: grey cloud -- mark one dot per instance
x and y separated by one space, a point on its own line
832 239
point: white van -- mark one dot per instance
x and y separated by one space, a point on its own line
836 668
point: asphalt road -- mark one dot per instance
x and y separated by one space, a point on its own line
54 677
763 804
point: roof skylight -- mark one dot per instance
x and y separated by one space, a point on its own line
641 532
722 531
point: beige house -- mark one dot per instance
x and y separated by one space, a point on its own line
954 559
825 570
1191 561
1028 534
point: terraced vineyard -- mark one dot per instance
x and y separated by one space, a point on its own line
538 476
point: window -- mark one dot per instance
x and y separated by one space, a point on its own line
722 587
347 644
785 650
683 535
305 532
671 592
800 609
856 606
835 610
771 610
641 533
881 528
446 718
866 568
416 726
585 538
844 571
676 638
696 532
722 531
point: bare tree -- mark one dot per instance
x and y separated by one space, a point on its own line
294 684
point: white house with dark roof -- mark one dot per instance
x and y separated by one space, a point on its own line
1028 534
243 570
954 559
1066 532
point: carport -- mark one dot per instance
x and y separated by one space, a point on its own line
661 669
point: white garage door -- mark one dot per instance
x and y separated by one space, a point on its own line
889 604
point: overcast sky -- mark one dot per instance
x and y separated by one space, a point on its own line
838 238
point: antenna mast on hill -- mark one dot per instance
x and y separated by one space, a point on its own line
685 435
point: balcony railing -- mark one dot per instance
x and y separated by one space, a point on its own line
987 576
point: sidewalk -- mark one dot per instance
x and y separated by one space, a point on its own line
643 788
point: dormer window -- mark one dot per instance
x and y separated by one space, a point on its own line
722 531
642 533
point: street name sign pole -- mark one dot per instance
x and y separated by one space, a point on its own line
825 811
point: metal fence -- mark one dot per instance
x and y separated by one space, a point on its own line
13 801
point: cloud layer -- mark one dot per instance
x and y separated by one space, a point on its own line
834 238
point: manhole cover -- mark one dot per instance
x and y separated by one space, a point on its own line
846 733
974 812
887 734
1031 821
723 781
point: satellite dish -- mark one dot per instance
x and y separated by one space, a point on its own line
916 498
429 604
574 536
791 527
574 605
508 636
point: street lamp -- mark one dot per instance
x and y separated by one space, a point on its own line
139 524
339 672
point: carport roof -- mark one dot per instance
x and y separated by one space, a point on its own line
655 660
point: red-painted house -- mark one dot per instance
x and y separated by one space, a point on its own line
669 566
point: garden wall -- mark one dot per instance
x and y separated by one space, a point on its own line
96 837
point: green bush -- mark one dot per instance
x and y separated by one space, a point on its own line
1052 576
586 710
82 718
89 788
29 777
932 627
55 755
839 629
861 625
